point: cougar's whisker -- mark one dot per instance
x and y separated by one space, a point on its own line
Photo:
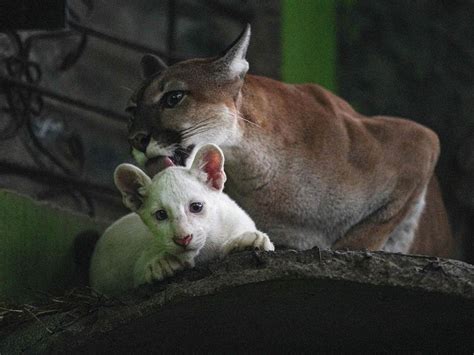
197 125
195 132
239 116
197 128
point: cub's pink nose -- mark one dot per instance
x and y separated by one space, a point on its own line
183 241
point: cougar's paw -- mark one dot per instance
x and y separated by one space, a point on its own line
162 267
254 240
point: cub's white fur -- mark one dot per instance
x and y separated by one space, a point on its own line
143 246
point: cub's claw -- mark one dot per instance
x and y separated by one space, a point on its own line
256 240
160 268
262 242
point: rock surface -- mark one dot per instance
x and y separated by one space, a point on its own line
285 301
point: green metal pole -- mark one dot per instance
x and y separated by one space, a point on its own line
309 42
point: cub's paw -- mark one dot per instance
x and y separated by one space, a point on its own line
255 240
161 267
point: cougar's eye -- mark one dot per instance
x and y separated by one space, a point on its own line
195 207
161 215
172 98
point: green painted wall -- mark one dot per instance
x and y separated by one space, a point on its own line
309 42
36 246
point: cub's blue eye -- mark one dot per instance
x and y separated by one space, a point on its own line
161 215
172 98
195 207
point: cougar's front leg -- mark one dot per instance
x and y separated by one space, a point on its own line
256 239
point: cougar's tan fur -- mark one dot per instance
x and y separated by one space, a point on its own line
308 168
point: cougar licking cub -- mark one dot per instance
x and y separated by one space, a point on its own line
179 217
309 169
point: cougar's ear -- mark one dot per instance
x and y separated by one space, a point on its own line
151 65
209 162
232 62
132 183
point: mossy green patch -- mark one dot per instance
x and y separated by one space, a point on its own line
36 246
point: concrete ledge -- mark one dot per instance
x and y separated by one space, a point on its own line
274 302
36 246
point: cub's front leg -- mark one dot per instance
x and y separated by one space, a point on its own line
255 239
161 267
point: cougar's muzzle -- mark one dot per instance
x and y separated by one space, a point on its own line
156 164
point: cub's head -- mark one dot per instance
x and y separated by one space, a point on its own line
179 204
188 104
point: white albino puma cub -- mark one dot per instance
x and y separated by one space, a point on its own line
179 217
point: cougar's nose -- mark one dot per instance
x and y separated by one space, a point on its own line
183 241
140 141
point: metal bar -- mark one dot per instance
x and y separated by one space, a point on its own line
65 99
53 178
122 42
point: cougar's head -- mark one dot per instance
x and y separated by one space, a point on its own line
188 104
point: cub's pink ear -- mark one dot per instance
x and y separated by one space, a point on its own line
132 183
209 159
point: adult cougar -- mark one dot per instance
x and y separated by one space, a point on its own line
309 169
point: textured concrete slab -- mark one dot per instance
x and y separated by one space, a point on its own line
36 246
274 302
